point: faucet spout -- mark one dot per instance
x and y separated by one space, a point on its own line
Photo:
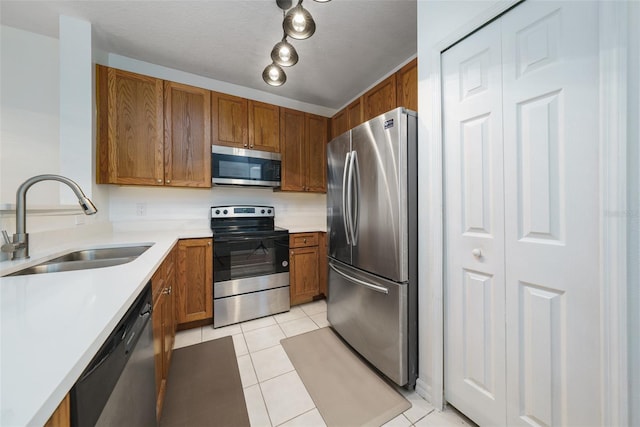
20 245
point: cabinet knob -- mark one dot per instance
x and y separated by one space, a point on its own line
168 181
305 240
208 243
476 252
159 181
246 145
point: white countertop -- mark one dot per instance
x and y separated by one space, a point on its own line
53 324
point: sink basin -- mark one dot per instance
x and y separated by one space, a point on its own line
86 259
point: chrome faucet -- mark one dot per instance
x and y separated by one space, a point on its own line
19 247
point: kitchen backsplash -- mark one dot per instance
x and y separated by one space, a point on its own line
189 208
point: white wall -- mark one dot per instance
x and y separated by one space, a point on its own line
633 210
30 120
29 102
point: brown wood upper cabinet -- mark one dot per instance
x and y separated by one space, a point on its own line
303 142
398 90
194 297
264 126
407 85
243 123
347 118
380 99
152 132
130 127
229 120
187 136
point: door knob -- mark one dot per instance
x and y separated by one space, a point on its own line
476 253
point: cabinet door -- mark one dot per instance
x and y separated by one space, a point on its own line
316 130
339 123
187 136
303 274
380 99
130 145
407 84
264 126
229 120
157 319
194 296
323 266
355 114
293 151
169 271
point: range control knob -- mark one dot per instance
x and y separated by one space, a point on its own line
262 211
225 211
217 211
269 211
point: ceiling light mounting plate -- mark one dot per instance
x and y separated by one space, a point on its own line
284 4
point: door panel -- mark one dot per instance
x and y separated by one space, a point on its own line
336 154
474 287
373 322
550 85
381 220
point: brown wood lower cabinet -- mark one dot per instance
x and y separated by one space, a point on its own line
164 323
307 256
194 297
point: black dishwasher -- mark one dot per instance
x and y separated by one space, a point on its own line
118 386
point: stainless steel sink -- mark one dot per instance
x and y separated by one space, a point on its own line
86 259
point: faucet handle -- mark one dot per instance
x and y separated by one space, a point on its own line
8 245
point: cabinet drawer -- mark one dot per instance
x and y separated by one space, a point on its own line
301 240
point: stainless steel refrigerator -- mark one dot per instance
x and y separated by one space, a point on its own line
372 228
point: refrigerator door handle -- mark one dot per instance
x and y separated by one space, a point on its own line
346 194
355 171
371 286
350 197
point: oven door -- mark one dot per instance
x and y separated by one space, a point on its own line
250 255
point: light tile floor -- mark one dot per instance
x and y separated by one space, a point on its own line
273 391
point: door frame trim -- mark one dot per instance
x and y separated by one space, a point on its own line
613 193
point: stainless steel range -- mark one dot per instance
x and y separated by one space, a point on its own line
250 264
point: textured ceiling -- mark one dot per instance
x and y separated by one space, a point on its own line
356 42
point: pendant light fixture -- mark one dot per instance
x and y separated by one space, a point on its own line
298 23
274 75
284 54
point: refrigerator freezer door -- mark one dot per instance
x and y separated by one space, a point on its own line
338 151
370 313
380 147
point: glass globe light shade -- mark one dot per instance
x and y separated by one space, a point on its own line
274 75
298 23
284 54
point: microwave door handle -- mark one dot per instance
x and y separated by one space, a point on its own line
355 171
345 195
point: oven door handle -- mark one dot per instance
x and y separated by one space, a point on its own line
244 238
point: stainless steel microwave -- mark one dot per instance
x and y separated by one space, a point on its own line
236 166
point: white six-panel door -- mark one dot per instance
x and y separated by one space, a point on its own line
522 344
474 221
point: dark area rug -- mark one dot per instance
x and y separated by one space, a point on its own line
204 387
